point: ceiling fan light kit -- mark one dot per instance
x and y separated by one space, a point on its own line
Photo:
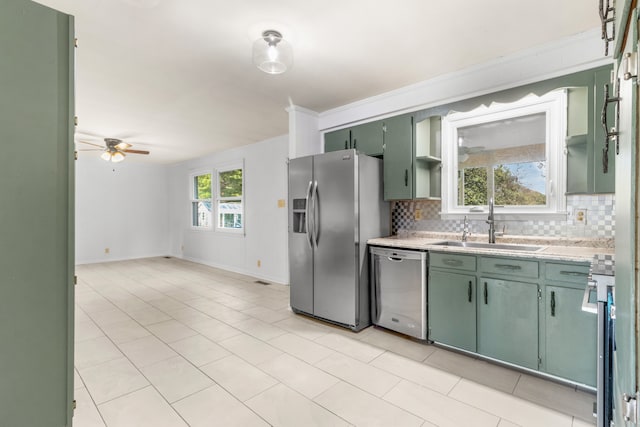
271 53
114 149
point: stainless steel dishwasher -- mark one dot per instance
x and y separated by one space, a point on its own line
399 290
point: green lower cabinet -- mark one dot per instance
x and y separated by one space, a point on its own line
452 309
508 321
570 336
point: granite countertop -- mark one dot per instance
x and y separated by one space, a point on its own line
552 248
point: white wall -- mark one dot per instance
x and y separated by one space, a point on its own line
571 54
121 206
265 239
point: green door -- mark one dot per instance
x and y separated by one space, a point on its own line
398 158
36 218
569 336
337 140
452 309
508 321
368 138
626 332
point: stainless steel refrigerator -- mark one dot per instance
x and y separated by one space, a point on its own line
335 206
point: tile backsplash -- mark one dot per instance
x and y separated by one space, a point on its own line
600 219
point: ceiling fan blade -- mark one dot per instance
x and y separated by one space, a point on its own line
90 143
136 151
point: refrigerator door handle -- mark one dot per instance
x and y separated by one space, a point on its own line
307 217
316 225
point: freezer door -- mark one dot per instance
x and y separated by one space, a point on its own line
336 225
300 250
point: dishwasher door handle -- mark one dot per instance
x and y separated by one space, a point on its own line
394 259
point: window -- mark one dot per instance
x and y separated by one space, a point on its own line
230 207
510 152
201 201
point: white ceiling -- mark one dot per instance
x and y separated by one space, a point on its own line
176 78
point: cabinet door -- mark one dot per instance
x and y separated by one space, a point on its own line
398 158
36 218
508 321
452 309
337 140
368 138
570 336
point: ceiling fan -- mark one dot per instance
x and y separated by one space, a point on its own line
113 150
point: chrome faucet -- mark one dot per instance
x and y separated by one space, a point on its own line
491 222
465 229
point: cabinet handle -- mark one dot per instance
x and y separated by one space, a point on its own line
574 273
469 291
486 294
553 304
452 262
346 144
406 177
610 134
509 267
355 143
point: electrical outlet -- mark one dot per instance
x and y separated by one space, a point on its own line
581 216
259 263
281 203
417 215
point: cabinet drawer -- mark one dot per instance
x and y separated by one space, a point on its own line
575 273
510 267
449 260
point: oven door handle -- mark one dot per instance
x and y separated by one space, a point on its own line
587 306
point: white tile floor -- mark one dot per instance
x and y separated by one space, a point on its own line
165 342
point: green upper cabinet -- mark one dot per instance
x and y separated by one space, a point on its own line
337 140
508 321
398 157
586 136
366 139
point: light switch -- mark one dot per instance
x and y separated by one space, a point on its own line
417 215
281 203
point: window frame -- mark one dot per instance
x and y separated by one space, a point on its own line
218 199
193 199
554 105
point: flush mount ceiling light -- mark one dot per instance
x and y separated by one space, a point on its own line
271 53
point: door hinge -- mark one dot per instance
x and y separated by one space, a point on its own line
75 42
539 362
75 120
539 293
630 408
74 405
75 280
630 65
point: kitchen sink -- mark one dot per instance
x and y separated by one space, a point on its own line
498 246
